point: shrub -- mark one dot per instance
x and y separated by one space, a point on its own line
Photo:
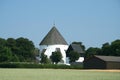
40 66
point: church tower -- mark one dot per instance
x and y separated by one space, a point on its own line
52 42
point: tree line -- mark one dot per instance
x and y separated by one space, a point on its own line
16 50
23 50
107 49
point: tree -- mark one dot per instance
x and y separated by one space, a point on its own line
25 49
73 56
115 46
2 42
112 49
5 54
90 52
15 58
106 49
36 52
11 42
56 57
44 59
21 49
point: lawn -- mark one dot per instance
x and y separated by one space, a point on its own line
57 74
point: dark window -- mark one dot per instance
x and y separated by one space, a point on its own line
58 49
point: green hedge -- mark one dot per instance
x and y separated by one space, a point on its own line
31 65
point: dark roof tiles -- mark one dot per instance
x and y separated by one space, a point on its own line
109 58
53 37
77 48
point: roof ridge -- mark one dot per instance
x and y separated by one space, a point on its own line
53 37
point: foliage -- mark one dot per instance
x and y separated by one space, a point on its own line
2 42
11 43
73 56
44 59
115 45
107 49
36 52
20 49
32 65
90 52
26 48
5 54
112 49
56 57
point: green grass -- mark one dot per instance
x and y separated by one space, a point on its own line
56 74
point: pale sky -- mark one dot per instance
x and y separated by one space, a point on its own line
92 22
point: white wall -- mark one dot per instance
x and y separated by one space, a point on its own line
81 59
52 48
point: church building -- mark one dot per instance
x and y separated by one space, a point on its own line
52 42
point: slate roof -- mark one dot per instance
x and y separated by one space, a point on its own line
53 37
109 58
75 47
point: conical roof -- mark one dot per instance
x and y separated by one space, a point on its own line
53 37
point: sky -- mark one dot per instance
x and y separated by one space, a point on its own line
92 22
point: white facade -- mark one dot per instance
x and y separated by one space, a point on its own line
52 48
81 59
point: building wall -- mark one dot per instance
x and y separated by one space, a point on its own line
113 65
94 63
81 59
52 48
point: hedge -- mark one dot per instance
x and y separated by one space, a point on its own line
41 66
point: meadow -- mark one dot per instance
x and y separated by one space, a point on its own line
57 74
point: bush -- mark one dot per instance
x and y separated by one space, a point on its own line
8 65
40 66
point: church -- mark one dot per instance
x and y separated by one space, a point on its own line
52 42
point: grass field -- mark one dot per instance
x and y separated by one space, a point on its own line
58 74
